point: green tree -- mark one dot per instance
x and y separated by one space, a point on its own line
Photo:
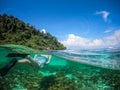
15 31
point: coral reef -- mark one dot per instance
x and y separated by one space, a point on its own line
73 76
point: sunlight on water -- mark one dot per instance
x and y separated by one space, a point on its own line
63 72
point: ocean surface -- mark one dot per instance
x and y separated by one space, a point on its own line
106 58
67 70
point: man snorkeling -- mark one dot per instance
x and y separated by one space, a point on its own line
37 61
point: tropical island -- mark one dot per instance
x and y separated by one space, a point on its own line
15 31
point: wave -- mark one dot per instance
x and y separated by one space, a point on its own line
106 58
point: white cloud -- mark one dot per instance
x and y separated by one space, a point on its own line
73 40
43 30
104 14
113 40
96 42
77 41
108 31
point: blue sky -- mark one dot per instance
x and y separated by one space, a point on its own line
76 23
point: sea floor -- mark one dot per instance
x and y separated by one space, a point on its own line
68 75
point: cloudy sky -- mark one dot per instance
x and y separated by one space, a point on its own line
76 23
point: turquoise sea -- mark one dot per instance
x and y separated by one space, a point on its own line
67 70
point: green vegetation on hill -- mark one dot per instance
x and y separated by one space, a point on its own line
15 31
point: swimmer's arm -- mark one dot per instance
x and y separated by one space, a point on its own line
30 62
23 61
48 61
49 58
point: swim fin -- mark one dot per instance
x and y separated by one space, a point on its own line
6 68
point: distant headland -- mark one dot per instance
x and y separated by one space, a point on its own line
15 31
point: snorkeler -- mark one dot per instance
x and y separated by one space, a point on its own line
38 62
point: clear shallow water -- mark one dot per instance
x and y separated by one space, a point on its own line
107 58
62 73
